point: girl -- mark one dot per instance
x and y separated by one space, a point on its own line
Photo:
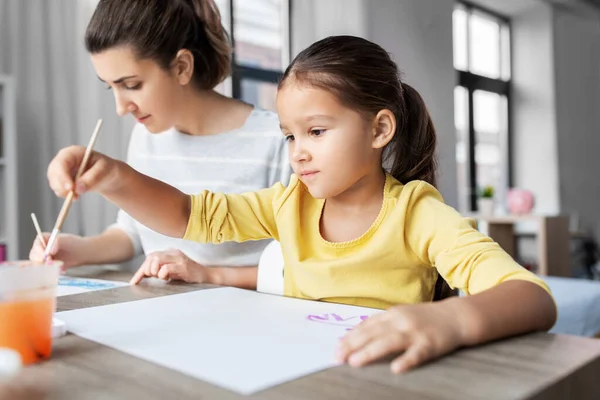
350 231
162 60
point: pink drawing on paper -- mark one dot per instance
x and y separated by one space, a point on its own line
347 322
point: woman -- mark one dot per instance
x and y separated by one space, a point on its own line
162 60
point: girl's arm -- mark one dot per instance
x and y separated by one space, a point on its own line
207 217
471 261
153 203
503 299
509 309
426 331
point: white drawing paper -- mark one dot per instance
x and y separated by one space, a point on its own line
241 340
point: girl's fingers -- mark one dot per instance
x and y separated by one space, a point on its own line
93 176
415 355
59 173
378 348
358 338
375 322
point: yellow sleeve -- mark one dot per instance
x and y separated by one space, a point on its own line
465 258
219 217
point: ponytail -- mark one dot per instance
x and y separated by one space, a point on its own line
413 148
362 76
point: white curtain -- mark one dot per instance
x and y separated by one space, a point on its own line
59 100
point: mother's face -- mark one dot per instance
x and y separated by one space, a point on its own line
141 87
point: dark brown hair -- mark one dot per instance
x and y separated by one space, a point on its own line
362 76
158 29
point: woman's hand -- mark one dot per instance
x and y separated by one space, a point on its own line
172 264
70 249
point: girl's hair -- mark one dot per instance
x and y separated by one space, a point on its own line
158 29
363 77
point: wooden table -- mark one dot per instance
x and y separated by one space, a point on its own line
537 366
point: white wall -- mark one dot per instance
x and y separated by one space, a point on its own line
59 100
419 36
577 79
312 20
556 116
535 153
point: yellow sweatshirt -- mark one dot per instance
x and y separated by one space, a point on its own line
396 261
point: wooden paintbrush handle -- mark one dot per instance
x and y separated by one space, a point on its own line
67 204
88 151
64 210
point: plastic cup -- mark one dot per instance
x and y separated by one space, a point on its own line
27 304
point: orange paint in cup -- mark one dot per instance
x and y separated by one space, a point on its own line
27 304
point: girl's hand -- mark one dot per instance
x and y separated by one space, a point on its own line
422 332
101 172
172 264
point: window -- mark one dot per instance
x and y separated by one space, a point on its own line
259 31
481 114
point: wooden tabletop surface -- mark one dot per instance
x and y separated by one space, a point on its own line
536 366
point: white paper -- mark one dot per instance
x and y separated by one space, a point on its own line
237 339
69 285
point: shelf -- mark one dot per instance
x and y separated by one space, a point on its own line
9 199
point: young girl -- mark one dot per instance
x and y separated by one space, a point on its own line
162 60
350 231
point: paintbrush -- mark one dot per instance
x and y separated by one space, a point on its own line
67 204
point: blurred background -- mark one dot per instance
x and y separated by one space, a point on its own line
513 87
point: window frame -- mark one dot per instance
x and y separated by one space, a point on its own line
472 82
240 72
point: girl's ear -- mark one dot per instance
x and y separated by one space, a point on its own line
183 66
384 128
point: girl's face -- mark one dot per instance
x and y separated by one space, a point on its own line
332 147
141 87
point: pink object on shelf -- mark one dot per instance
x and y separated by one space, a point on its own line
2 252
520 201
